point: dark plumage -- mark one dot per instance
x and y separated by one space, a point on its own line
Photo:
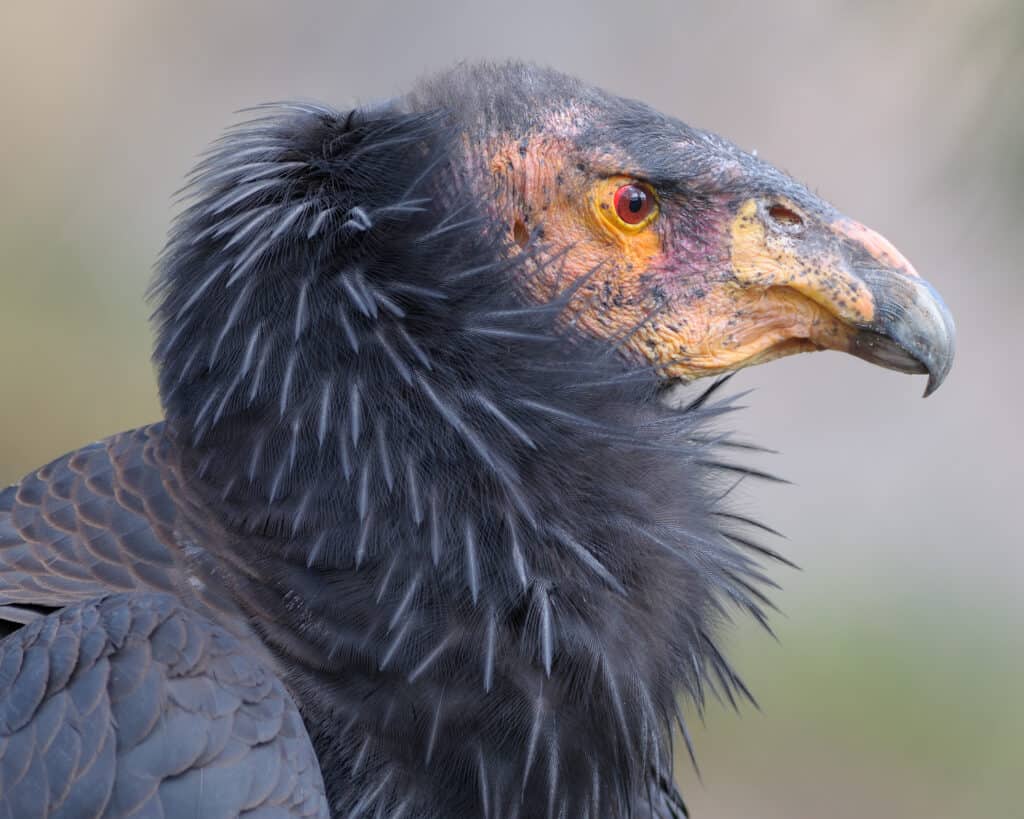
412 465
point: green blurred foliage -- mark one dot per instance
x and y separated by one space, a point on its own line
53 301
918 705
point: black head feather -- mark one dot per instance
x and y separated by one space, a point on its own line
488 559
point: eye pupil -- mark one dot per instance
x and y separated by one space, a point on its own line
633 203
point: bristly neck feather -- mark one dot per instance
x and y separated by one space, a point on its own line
491 559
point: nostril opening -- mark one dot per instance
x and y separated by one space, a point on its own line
785 217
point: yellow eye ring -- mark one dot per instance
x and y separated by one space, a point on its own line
626 204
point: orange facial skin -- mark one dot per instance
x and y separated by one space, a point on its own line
628 281
694 291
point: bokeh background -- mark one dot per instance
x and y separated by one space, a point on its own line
896 688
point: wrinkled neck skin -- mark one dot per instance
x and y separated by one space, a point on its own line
489 559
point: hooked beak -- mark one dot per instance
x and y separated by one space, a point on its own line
839 286
912 329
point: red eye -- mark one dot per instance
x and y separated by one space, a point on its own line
634 203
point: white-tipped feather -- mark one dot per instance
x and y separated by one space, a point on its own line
468 482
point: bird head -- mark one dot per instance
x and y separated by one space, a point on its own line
685 251
383 348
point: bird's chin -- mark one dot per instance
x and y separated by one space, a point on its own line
675 383
674 390
780 349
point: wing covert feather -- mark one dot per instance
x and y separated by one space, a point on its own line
134 705
95 521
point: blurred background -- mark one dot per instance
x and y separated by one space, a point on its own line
896 688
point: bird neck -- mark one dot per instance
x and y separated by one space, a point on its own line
477 544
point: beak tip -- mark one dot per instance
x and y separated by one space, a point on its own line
937 376
941 361
915 332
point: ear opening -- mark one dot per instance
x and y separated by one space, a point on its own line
520 233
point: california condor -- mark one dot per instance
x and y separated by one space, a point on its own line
420 534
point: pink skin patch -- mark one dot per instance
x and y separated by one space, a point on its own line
876 244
